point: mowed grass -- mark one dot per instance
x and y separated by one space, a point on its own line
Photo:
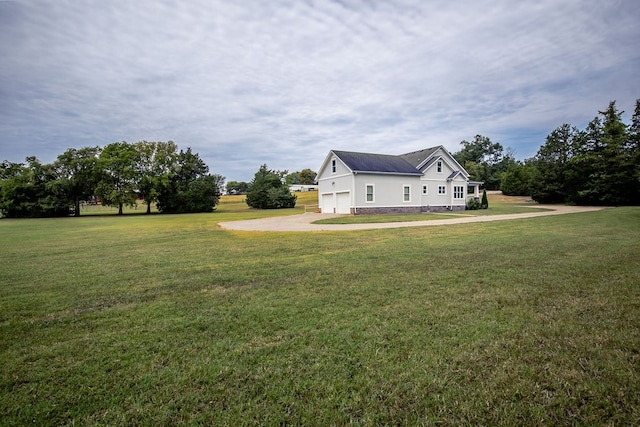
163 320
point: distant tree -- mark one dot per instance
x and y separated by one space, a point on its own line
550 180
156 161
117 186
618 171
633 148
267 191
78 174
237 187
486 160
307 177
517 180
190 188
303 177
598 165
293 178
30 190
219 182
603 171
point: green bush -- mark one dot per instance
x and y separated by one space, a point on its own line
473 205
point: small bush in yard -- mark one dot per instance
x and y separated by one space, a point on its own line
473 205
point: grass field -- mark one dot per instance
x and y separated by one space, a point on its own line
167 319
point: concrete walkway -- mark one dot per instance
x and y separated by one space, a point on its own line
303 222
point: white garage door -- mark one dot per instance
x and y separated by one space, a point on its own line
343 202
328 203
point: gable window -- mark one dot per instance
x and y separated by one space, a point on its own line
406 196
425 189
439 166
334 165
442 189
369 198
458 192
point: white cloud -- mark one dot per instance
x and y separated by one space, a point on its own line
283 82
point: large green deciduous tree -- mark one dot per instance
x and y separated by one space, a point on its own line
117 186
156 161
484 160
78 174
518 179
237 187
267 191
190 188
303 177
30 190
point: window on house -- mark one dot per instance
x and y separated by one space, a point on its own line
458 192
369 193
425 190
407 193
333 165
442 189
439 166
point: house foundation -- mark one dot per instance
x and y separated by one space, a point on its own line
404 210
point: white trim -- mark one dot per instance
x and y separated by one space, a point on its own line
404 187
425 189
455 193
440 187
328 178
373 193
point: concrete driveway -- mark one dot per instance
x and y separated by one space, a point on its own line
303 222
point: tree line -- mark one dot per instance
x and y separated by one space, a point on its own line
116 175
598 165
303 177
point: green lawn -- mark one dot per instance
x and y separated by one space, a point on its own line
161 320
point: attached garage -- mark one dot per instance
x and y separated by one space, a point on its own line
336 203
343 203
328 204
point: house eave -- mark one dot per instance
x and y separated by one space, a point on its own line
387 173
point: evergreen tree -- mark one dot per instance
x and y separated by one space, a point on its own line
549 184
632 149
484 204
267 191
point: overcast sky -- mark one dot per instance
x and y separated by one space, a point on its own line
283 81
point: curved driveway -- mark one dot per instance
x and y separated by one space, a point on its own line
303 222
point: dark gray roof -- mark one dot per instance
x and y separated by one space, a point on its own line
380 163
417 157
453 175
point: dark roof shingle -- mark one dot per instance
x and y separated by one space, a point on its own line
381 163
417 157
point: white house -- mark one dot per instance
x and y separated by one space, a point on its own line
421 181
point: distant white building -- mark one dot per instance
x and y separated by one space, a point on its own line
301 187
421 181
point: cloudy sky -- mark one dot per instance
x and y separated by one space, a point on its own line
284 81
